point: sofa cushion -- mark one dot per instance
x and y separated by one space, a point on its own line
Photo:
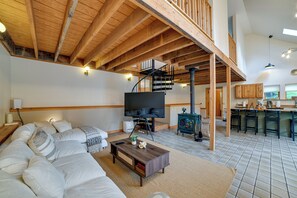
43 144
12 187
66 148
24 132
62 125
14 159
46 126
44 179
78 169
100 187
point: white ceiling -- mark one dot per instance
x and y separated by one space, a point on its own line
271 16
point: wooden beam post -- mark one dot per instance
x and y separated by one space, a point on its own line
70 9
228 116
29 7
212 102
105 13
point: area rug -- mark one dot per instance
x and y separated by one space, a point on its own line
187 176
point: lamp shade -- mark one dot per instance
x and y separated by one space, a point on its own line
294 72
270 66
2 27
17 103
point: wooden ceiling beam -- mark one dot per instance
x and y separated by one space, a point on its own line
70 9
163 39
181 52
149 32
200 59
137 17
188 57
105 13
175 45
29 7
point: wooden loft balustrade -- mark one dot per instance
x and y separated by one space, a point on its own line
232 49
198 12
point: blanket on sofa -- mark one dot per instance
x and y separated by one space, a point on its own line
94 139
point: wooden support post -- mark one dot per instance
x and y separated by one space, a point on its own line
212 102
228 116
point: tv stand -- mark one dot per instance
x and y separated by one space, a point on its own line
141 121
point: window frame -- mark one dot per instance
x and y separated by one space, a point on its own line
278 98
288 91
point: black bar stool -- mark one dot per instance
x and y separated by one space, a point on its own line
251 115
235 116
293 121
272 117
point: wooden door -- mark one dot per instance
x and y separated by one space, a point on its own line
219 95
238 91
259 90
248 91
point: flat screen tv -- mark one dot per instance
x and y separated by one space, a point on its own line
145 104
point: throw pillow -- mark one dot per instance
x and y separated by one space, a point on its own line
44 179
14 159
43 144
62 125
23 133
13 187
46 126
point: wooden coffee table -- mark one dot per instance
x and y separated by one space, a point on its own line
144 162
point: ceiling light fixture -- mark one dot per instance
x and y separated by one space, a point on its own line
296 15
287 53
2 27
294 72
86 70
290 32
269 65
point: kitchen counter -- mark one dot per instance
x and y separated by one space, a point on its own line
284 122
271 109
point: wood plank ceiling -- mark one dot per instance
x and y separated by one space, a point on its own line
111 35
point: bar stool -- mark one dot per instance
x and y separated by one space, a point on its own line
235 115
272 117
293 121
251 115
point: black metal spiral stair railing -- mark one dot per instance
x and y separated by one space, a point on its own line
162 79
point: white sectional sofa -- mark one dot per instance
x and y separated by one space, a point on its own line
73 172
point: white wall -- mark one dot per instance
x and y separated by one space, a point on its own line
220 25
4 83
257 58
42 84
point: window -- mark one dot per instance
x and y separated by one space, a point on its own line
291 91
271 92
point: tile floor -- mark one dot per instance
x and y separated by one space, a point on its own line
266 166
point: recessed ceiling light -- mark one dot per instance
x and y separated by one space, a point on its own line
2 27
296 15
290 32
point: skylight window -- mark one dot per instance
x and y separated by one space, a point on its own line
290 32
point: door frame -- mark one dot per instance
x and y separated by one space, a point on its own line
207 102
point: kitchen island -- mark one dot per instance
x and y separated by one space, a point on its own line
285 116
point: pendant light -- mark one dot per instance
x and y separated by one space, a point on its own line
269 65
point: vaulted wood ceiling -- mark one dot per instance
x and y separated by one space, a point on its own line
112 35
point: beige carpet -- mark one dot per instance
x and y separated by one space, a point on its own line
186 177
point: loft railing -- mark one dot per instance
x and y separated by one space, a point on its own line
232 49
197 11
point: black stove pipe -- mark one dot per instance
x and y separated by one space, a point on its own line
192 89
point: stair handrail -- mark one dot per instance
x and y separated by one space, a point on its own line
149 74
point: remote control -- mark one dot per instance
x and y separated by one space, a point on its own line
120 143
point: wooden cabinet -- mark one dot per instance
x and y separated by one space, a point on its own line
259 90
238 91
249 91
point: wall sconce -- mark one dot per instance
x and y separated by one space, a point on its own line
184 85
51 120
87 69
129 77
2 27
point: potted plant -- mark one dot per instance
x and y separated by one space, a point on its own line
133 139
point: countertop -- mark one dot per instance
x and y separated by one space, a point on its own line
272 109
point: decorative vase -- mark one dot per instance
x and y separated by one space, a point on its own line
133 139
133 142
